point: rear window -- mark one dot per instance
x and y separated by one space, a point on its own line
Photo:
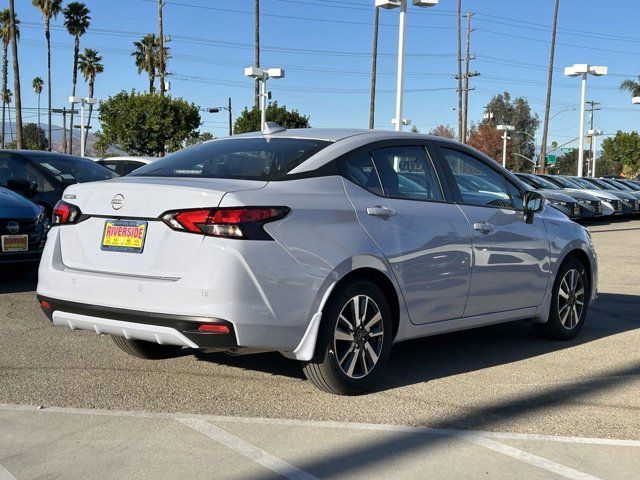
242 158
69 169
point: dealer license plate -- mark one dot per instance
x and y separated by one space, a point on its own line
124 236
15 243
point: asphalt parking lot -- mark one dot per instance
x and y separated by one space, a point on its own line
496 402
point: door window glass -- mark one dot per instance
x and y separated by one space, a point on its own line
360 170
478 183
406 172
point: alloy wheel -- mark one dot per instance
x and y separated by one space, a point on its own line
358 337
571 299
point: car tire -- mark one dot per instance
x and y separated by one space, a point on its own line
146 350
351 354
569 302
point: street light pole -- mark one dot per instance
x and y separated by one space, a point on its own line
583 103
402 26
263 74
583 70
505 136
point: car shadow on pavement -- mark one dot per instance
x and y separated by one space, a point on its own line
422 360
18 279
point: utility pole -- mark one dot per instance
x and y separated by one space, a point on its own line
468 74
161 48
547 108
230 119
256 62
374 66
16 74
593 107
460 135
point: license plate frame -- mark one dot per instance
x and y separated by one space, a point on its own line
24 240
121 244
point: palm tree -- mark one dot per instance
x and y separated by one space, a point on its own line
38 85
632 86
48 9
90 65
5 35
76 20
13 22
146 57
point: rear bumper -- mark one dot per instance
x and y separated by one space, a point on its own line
148 326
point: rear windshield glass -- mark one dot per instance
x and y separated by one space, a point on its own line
243 158
68 169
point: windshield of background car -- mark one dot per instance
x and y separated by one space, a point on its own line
566 183
243 158
546 183
590 184
72 169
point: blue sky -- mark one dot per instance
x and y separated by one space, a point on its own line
324 47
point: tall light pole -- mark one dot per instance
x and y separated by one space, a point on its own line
82 101
402 26
262 74
583 70
505 129
594 135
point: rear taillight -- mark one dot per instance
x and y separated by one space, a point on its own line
241 223
65 213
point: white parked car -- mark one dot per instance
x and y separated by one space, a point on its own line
325 245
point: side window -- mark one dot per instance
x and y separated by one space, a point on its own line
478 183
406 172
12 168
110 165
516 195
360 170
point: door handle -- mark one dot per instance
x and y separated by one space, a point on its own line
380 211
483 227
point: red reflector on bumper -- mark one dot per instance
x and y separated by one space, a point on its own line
45 305
213 328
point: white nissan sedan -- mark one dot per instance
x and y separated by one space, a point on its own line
325 245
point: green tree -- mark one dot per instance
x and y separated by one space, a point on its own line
76 21
623 149
33 138
5 35
249 120
198 137
632 86
516 112
48 9
90 64
567 164
146 124
38 85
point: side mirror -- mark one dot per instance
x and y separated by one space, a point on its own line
533 202
22 186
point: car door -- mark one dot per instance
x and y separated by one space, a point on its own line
510 257
401 205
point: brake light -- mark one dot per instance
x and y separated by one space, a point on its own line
240 223
65 213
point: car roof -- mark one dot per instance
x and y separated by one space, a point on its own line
127 158
41 153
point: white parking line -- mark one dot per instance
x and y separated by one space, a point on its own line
529 458
333 424
5 474
245 448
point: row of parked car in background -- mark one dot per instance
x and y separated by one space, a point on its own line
32 182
